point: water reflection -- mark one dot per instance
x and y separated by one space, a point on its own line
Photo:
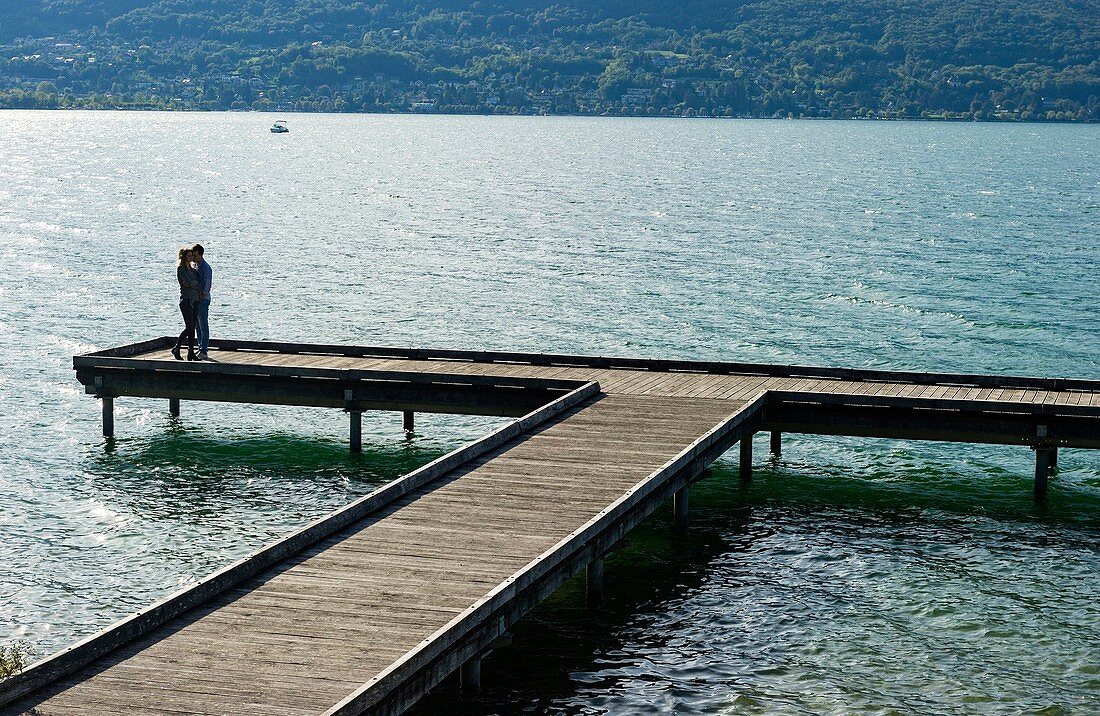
185 471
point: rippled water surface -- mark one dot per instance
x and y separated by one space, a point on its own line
850 576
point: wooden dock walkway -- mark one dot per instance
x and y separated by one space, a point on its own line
367 609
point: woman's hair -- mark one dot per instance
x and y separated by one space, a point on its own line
183 252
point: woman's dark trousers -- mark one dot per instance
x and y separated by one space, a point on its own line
187 308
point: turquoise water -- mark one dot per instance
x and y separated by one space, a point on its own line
850 576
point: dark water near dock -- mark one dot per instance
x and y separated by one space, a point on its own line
850 576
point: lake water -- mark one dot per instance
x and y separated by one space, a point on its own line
850 576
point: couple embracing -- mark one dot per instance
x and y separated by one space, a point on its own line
194 276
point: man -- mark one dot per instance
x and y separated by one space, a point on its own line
202 308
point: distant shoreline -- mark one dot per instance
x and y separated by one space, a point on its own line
932 119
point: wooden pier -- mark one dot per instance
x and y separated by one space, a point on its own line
368 608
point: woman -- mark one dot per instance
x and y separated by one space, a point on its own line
188 279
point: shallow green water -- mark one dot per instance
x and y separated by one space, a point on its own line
851 576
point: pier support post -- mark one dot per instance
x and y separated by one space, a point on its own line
469 675
174 407
680 508
594 582
746 457
1053 458
356 430
1042 470
777 443
108 417
408 421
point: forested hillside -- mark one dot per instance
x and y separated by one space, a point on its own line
972 59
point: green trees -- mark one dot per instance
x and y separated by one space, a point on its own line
992 59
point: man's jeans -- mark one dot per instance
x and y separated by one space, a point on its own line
202 325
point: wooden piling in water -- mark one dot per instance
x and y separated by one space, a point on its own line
174 407
777 443
408 421
1042 470
746 457
469 675
356 430
594 582
108 417
680 508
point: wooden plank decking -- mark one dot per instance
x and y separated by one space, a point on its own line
871 403
675 383
303 636
365 610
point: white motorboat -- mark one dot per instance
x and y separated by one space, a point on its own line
280 127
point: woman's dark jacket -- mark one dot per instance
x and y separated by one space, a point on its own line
189 283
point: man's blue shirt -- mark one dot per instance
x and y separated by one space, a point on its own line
206 277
